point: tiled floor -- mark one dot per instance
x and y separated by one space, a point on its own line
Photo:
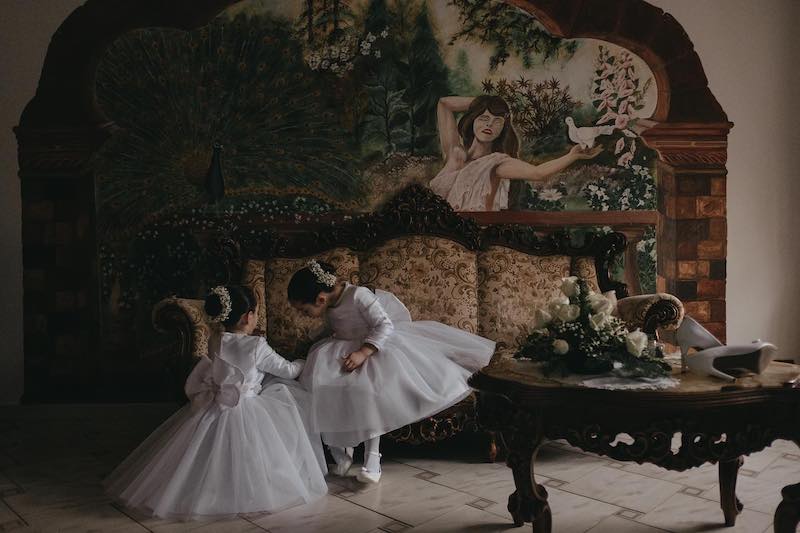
52 459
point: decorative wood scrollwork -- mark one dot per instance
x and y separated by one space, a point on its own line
452 421
415 210
661 312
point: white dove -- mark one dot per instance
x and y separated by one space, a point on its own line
586 136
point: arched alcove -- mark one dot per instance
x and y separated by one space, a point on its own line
62 128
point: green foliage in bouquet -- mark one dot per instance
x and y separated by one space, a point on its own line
577 334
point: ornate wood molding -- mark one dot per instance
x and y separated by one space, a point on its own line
688 145
415 210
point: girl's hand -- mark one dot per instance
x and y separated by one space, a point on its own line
355 360
589 153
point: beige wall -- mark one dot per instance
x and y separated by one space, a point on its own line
747 49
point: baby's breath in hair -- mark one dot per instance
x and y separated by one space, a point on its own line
325 278
225 301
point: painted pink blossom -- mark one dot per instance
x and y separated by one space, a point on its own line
625 159
628 89
633 147
607 117
623 106
621 122
620 145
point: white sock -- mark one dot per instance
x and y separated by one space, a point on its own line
372 457
341 455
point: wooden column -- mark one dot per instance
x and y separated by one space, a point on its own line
61 305
692 230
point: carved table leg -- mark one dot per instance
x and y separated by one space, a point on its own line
787 515
529 502
731 506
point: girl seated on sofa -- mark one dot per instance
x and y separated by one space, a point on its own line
377 370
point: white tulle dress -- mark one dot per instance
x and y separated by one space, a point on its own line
231 450
420 368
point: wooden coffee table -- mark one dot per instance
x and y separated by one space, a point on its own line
718 422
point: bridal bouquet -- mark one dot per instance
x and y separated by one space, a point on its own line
576 333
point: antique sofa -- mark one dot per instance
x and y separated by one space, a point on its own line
443 266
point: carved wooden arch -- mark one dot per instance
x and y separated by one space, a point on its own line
652 34
62 127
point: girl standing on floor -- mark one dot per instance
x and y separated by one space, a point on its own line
377 370
231 450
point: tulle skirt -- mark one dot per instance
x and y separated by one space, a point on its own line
422 369
218 461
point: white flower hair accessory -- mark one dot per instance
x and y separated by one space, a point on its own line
326 278
225 301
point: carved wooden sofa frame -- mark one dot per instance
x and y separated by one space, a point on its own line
416 211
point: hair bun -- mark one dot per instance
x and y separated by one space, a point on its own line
213 305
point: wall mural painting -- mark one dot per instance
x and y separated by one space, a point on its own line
319 107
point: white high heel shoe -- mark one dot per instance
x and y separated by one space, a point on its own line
720 361
343 461
691 334
367 476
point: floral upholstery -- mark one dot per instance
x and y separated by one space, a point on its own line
435 277
584 268
288 331
511 285
202 329
633 310
253 277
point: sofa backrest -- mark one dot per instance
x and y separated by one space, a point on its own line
442 266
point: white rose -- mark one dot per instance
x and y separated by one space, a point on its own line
541 318
568 313
560 346
557 303
635 342
569 286
598 320
600 304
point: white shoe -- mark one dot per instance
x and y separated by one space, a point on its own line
691 334
365 476
343 464
368 476
719 361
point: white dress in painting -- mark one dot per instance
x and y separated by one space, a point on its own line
467 187
420 368
230 450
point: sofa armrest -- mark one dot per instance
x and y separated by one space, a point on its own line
188 319
651 312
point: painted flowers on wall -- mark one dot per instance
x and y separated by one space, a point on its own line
310 99
326 108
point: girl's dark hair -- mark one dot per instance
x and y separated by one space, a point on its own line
243 300
507 142
304 286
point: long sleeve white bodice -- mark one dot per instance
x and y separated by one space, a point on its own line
237 369
358 315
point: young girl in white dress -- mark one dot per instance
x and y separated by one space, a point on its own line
230 450
377 370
